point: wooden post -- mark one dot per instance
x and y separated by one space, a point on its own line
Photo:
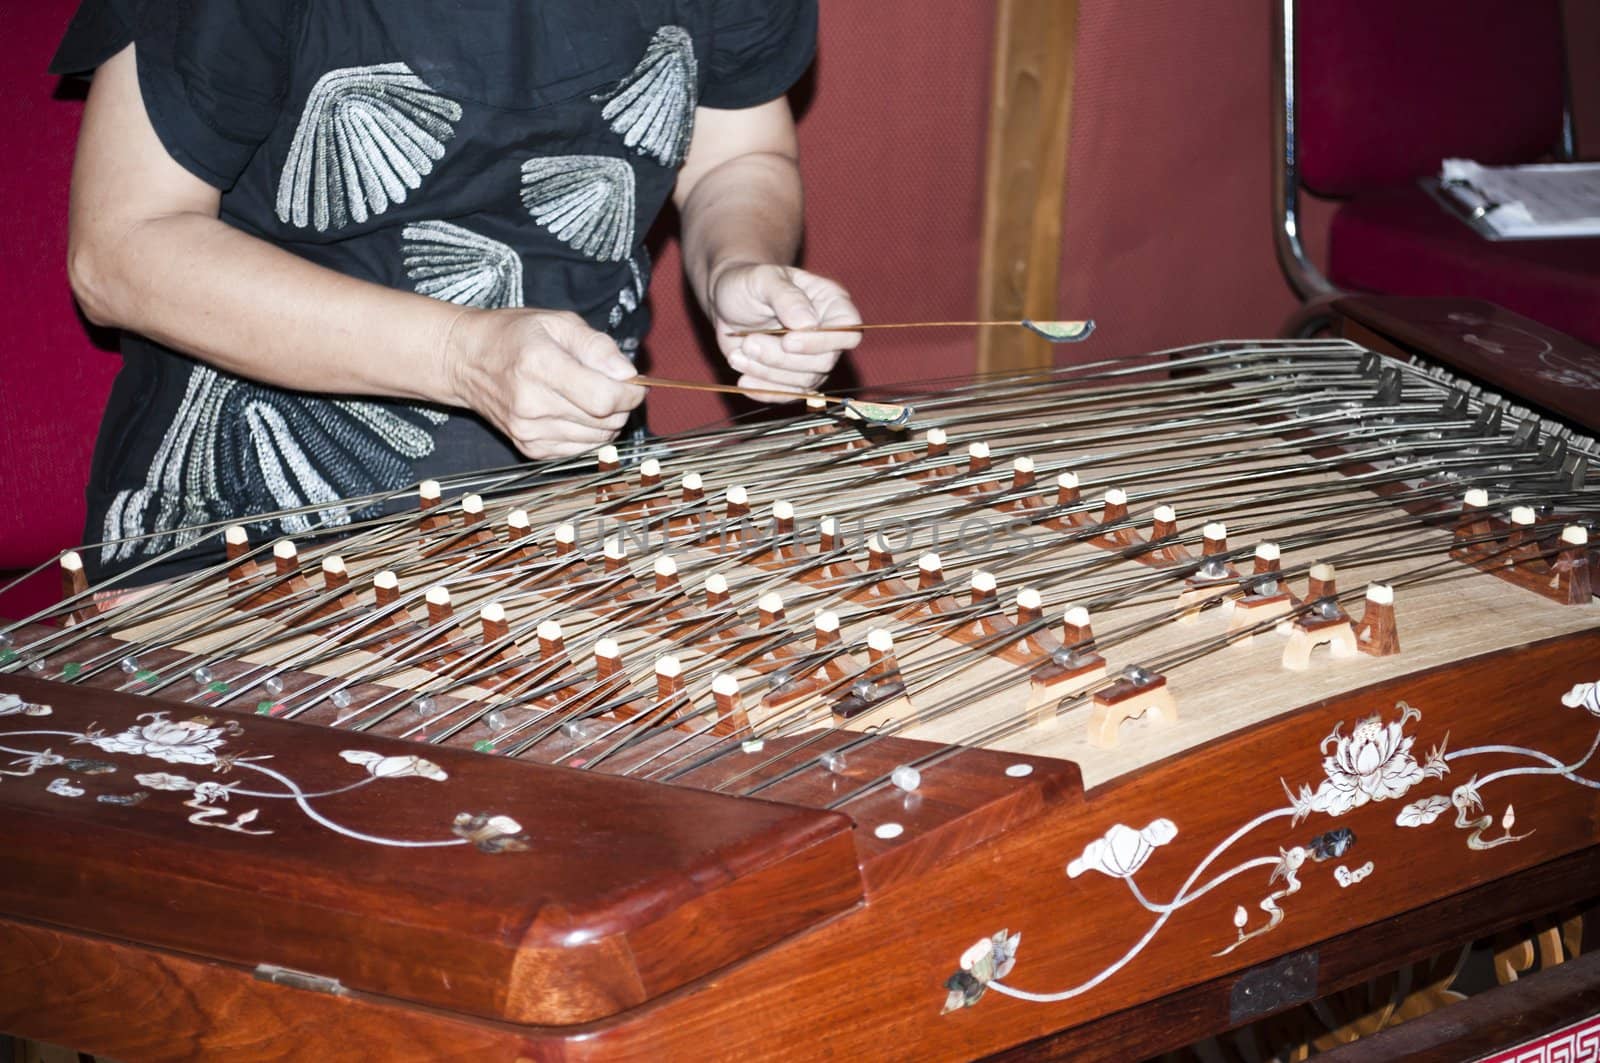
1030 112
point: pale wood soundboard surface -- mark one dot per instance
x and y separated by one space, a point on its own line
1458 614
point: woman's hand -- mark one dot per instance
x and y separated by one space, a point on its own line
746 296
554 386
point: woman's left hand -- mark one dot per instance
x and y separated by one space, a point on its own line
757 296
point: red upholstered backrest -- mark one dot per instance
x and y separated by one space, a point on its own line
892 142
1388 88
53 380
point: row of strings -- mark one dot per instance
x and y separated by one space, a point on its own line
1257 431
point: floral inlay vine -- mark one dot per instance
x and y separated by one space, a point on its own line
200 742
1375 762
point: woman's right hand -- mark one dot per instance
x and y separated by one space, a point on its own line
554 386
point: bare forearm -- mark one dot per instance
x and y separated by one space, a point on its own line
202 287
747 210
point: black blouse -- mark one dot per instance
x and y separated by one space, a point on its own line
491 153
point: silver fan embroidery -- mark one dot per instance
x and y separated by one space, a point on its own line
652 110
459 266
237 448
585 201
632 293
368 134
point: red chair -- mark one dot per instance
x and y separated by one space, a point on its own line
54 378
1373 96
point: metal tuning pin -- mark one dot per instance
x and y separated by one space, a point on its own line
1321 622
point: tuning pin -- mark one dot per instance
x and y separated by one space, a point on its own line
334 576
439 608
1376 633
615 552
1114 506
731 716
880 651
1067 493
782 520
607 660
716 592
666 570
1164 524
429 494
878 554
73 580
385 588
1077 634
669 680
1572 579
552 647
493 619
1322 582
693 488
236 541
1323 623
771 608
1022 474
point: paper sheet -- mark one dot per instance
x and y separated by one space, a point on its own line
1561 199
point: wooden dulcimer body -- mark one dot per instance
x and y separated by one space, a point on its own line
474 782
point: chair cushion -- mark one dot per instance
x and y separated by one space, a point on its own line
1386 90
1399 241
